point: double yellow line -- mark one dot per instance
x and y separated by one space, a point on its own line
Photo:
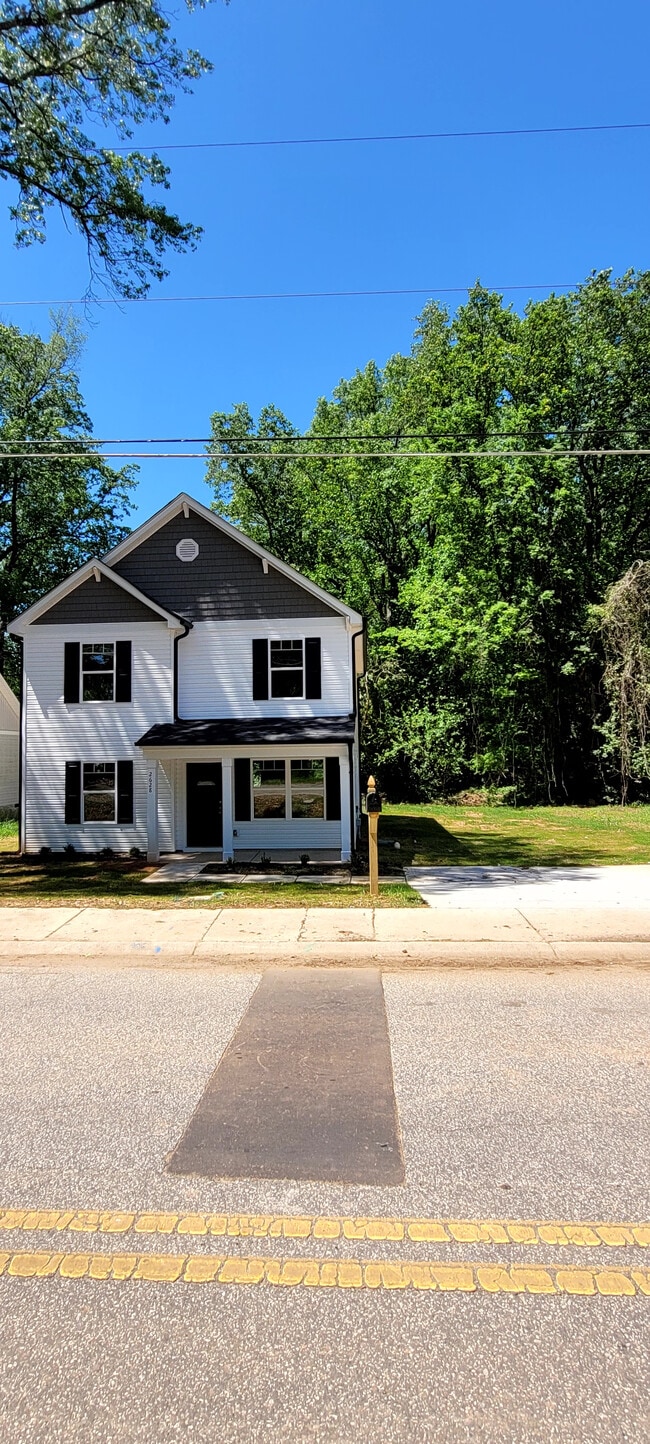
451 1276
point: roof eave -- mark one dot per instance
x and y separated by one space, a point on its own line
26 618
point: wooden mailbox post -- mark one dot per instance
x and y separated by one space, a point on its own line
373 809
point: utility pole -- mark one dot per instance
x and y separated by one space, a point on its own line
373 809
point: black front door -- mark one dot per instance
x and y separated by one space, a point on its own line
204 827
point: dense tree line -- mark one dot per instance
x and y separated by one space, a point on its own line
482 576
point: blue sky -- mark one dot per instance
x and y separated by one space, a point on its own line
433 214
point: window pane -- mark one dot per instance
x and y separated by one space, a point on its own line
98 688
307 773
267 803
307 804
268 774
99 776
99 807
286 684
286 654
97 658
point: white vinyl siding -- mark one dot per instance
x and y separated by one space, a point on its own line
265 833
58 732
215 669
9 772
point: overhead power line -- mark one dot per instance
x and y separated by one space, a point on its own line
381 139
306 437
550 454
285 295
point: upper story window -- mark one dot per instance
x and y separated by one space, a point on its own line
98 672
287 669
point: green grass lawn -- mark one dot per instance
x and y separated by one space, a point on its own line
519 836
427 833
96 883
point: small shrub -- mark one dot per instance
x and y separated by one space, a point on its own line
70 850
136 853
106 853
45 853
265 860
304 859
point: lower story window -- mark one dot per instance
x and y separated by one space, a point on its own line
99 792
289 788
307 788
269 789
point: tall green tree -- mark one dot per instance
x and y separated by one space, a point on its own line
478 573
68 69
54 513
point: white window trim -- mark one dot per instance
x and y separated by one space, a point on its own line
98 821
96 701
288 816
287 637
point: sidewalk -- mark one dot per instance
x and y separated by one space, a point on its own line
257 938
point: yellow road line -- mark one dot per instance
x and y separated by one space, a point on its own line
331 1273
274 1225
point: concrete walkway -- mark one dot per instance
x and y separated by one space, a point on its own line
531 933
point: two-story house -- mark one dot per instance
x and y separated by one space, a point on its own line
190 691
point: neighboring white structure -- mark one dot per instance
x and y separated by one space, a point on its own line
190 691
9 746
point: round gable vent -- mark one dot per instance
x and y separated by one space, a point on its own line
187 549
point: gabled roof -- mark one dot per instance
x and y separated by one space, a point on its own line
183 500
89 569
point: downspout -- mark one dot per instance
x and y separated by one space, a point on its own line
21 747
187 627
355 709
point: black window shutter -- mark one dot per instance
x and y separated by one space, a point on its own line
260 669
332 789
312 667
125 788
122 671
71 672
73 791
242 789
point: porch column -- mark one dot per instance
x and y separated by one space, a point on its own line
153 848
226 809
346 851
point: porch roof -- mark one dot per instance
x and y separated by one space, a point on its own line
249 731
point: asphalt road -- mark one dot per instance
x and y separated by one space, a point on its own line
519 1096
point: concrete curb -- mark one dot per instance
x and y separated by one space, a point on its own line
393 957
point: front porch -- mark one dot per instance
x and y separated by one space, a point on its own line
237 793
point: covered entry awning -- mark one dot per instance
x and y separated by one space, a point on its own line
250 731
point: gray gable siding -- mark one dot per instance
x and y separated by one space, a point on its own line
225 582
93 601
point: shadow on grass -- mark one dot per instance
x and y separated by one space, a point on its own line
102 884
426 842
